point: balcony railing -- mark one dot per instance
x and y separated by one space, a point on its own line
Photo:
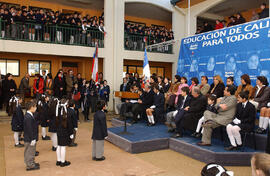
50 33
137 42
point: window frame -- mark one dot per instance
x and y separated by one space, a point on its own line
6 59
50 71
156 67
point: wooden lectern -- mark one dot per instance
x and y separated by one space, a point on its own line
126 94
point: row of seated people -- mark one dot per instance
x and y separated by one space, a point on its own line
191 110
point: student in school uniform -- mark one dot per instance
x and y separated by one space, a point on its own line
86 101
52 122
244 120
64 133
156 111
30 137
99 132
43 110
73 118
17 119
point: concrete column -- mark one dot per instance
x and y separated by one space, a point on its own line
114 45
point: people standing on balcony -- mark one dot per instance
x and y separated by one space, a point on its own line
232 21
255 16
219 25
240 19
265 12
207 27
40 20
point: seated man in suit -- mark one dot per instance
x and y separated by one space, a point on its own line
183 102
144 102
155 112
189 118
244 120
226 110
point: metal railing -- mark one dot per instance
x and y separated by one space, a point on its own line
137 42
51 33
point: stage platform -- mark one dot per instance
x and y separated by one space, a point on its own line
142 138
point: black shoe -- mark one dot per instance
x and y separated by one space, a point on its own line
33 168
66 163
258 130
37 164
73 145
100 159
94 158
58 163
231 148
21 139
263 131
19 145
171 130
177 135
198 135
194 134
239 146
37 153
46 138
54 148
128 115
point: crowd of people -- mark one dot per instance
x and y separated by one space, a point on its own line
199 108
234 20
140 34
55 105
26 24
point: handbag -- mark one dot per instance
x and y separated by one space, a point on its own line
77 96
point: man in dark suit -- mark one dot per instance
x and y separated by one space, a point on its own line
144 102
244 120
99 132
172 118
265 12
192 113
156 111
30 137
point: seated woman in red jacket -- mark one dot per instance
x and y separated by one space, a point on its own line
38 86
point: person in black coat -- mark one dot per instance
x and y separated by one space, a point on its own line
156 111
167 85
59 85
65 134
193 113
265 12
71 112
99 132
52 121
43 113
244 120
17 119
9 89
217 87
173 117
30 136
86 102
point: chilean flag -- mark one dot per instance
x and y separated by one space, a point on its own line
95 65
146 69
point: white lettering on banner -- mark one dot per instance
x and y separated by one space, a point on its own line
212 42
209 36
261 25
267 59
247 36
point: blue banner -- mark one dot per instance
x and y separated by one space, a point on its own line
231 51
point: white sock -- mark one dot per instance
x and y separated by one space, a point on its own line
16 138
152 119
261 120
149 120
63 154
199 124
54 139
238 139
265 123
58 153
229 130
33 36
43 132
202 130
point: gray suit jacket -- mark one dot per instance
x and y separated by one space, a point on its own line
204 89
262 97
224 117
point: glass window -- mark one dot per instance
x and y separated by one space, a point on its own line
36 67
10 66
140 71
153 70
160 72
132 69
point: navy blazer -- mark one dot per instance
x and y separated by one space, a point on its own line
30 128
247 116
180 102
147 98
17 119
73 118
100 126
159 101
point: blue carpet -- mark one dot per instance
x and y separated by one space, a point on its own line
141 132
